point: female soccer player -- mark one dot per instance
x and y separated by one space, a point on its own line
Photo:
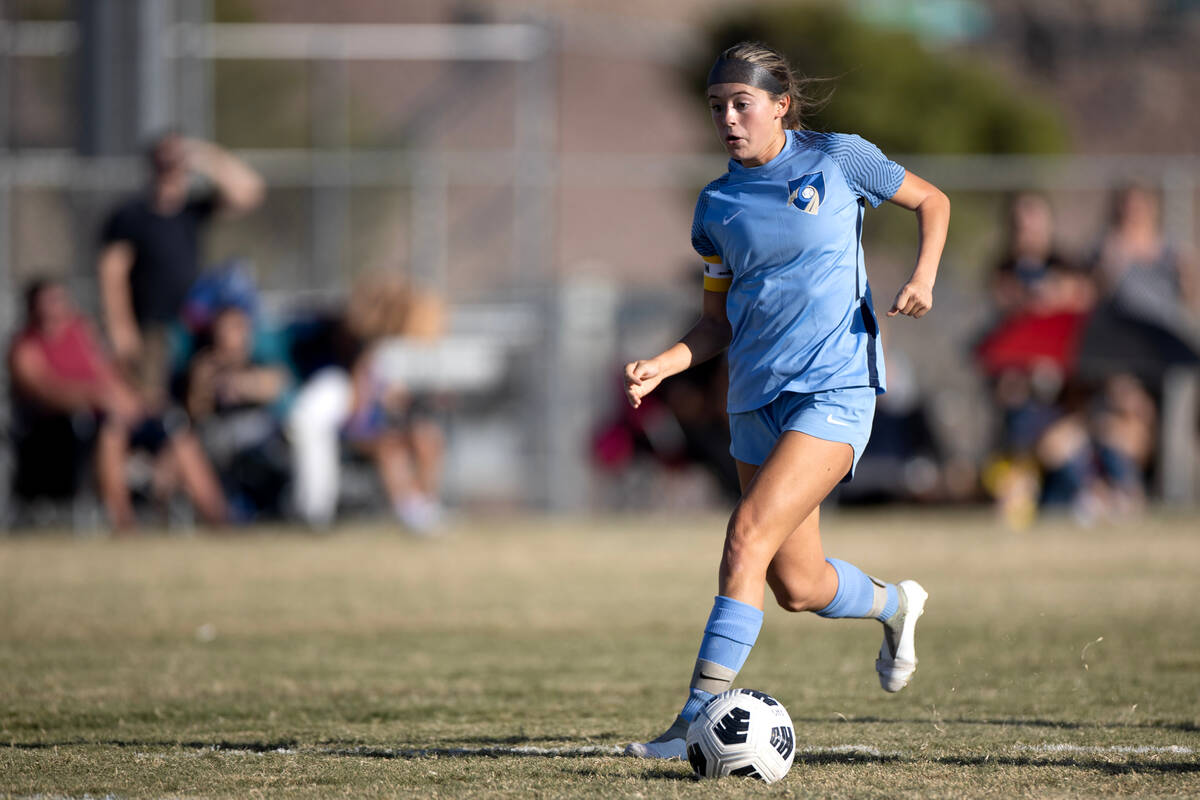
786 291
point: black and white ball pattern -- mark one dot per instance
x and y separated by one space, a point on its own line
742 732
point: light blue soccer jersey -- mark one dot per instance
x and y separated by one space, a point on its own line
785 240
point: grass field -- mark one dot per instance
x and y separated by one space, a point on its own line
512 658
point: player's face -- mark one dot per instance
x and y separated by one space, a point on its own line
748 121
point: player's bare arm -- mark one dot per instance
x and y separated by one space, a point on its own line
932 207
706 339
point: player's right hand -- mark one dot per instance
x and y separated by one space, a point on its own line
641 377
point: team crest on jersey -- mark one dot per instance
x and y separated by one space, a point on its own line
807 192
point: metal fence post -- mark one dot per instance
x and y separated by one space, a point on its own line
534 190
154 69
429 211
329 123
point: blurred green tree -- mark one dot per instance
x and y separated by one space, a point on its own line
889 86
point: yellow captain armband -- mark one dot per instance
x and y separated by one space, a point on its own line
712 284
716 277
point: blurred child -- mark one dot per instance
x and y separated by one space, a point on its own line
235 403
346 401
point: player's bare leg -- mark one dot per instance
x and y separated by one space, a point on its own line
777 498
803 580
799 576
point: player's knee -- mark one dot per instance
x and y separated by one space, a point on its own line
796 598
800 585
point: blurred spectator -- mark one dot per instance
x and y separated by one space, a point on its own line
1075 387
236 401
683 424
1033 275
697 400
63 381
903 461
1147 320
150 252
1042 302
1137 267
1097 457
1019 281
1095 454
346 400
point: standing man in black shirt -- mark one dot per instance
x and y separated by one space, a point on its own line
150 252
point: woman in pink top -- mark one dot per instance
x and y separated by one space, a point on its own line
58 368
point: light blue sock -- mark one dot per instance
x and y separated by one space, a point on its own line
859 596
732 628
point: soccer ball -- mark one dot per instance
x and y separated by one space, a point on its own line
742 732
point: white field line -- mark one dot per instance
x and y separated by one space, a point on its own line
545 752
848 749
400 752
237 751
863 750
432 752
1116 749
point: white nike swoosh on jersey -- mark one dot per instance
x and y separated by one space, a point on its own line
833 421
729 219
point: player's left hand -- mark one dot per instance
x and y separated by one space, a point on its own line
914 300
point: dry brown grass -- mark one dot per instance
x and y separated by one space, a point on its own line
180 666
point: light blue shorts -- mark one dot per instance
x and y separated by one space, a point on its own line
836 415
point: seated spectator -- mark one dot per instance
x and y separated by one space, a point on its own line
1095 455
903 461
236 403
1147 320
1144 325
1043 302
680 426
346 401
59 370
1136 266
1075 378
1025 274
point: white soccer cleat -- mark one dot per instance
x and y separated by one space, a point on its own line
898 654
671 744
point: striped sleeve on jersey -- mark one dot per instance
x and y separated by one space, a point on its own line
870 174
717 276
700 240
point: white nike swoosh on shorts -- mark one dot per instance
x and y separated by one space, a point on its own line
833 421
